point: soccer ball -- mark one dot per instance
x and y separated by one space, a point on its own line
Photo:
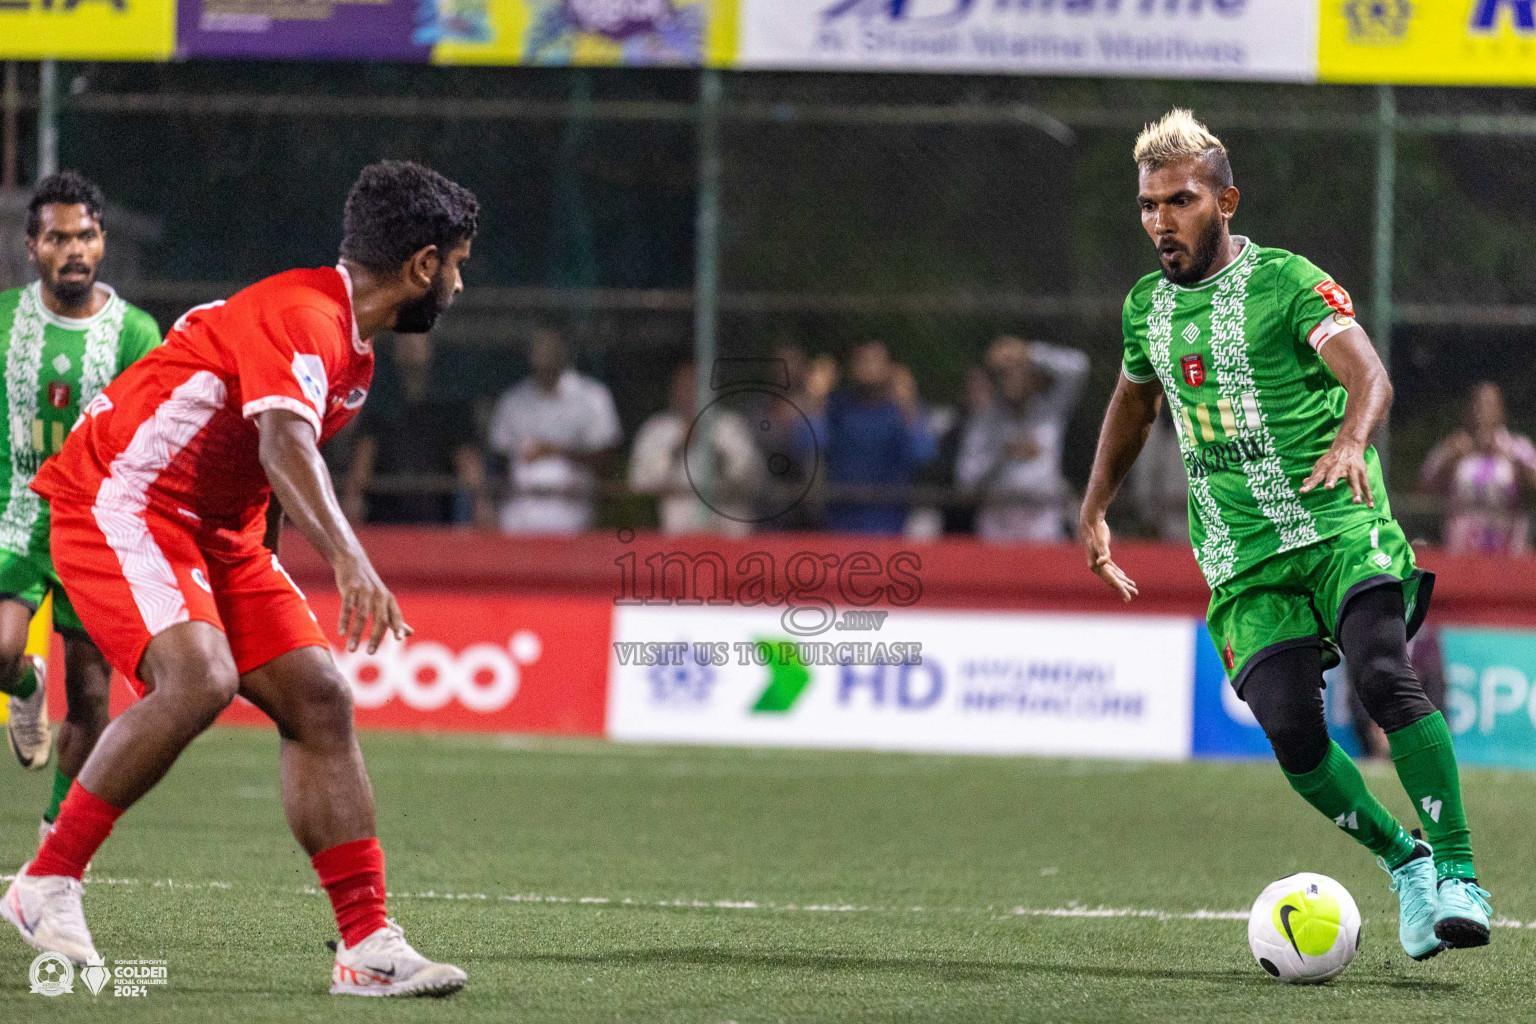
1304 929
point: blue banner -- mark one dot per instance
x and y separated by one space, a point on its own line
1489 696
1223 725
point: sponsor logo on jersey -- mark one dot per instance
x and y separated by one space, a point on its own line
1191 333
1224 456
309 371
1336 297
1194 369
58 394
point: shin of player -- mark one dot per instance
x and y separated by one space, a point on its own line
163 552
1274 391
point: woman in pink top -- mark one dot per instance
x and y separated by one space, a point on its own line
1481 470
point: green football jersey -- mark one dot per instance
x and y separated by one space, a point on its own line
53 366
1253 403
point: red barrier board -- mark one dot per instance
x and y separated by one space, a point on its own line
476 663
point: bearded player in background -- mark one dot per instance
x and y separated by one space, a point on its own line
63 338
159 503
1275 391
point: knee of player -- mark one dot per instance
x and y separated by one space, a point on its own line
1380 674
328 706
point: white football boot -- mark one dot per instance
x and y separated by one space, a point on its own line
384 964
27 727
47 912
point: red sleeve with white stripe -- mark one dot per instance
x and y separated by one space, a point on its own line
286 367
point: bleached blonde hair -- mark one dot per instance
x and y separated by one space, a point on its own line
1178 136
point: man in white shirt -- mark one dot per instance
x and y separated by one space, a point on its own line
1010 457
723 460
553 427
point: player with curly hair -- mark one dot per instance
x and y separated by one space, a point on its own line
160 500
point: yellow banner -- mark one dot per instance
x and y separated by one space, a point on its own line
1428 42
87 29
643 33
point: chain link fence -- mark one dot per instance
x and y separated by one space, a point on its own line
935 213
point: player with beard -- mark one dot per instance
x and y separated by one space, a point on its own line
159 504
1275 391
63 338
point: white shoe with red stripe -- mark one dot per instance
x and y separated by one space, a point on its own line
384 964
48 913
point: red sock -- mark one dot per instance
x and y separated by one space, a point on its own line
83 824
353 876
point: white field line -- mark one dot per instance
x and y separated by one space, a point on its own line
1071 910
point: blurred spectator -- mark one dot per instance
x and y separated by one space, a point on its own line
791 459
1159 483
554 428
729 478
874 433
408 429
949 425
1010 458
1481 469
960 515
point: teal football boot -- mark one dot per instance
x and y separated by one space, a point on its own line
1417 906
1461 918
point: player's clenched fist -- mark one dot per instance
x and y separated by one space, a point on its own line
367 606
1094 533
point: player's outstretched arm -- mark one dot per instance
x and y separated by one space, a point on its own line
1129 418
300 481
1355 363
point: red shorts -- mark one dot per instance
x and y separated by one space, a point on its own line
132 574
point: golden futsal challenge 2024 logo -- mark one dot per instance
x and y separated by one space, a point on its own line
52 974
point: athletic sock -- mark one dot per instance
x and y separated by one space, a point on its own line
26 680
353 876
83 824
1336 788
61 784
1426 765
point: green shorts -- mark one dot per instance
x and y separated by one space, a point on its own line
29 578
1295 599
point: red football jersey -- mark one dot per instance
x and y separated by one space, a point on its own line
175 431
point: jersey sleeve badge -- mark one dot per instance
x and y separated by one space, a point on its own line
1337 298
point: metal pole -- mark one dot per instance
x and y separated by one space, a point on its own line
10 130
706 263
47 119
1381 295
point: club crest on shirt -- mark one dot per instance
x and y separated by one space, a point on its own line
355 398
1337 298
1194 369
58 394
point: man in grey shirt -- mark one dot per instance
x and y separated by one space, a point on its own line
1010 456
553 427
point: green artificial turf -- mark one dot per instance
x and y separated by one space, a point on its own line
585 881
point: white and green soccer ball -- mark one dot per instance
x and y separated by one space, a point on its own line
1304 929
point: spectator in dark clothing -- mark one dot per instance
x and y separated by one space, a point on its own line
873 434
407 429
